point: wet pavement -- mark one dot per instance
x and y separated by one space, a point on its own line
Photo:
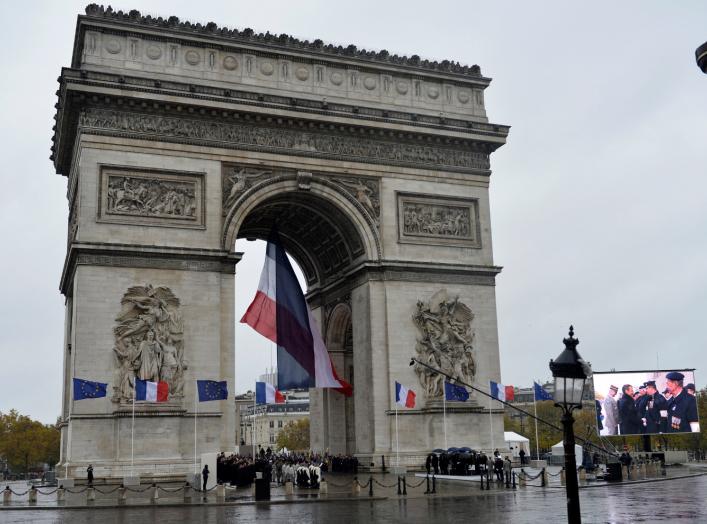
674 499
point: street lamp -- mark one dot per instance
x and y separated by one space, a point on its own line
570 373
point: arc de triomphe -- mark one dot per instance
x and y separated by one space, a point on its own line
176 139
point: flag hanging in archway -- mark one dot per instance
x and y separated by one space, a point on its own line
280 313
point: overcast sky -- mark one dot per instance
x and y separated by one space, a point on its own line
598 198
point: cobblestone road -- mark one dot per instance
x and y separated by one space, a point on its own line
676 500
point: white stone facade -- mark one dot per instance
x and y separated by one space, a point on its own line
177 141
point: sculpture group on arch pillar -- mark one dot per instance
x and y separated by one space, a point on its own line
149 342
446 343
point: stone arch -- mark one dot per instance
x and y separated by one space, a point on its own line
342 233
338 326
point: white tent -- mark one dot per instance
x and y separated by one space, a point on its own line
516 442
558 450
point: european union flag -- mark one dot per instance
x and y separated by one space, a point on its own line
540 393
455 393
88 389
212 390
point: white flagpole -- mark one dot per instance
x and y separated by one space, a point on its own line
491 423
397 442
196 409
68 431
535 407
444 418
132 434
252 426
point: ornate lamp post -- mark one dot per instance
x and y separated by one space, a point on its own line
570 373
701 57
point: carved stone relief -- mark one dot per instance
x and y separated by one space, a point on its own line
147 197
366 191
439 220
446 342
282 139
73 222
236 180
149 342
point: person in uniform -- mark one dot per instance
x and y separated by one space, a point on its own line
654 414
611 412
629 421
682 407
641 400
690 388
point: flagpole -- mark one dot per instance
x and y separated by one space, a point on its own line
68 430
444 418
535 407
132 435
252 426
196 409
491 424
397 442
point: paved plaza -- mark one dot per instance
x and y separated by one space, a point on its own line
673 499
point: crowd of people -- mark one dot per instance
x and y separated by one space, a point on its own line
461 464
303 470
645 410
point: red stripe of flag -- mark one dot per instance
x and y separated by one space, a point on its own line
162 391
279 397
510 393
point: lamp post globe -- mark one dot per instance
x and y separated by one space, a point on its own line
570 373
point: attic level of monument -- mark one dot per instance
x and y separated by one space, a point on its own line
83 89
282 43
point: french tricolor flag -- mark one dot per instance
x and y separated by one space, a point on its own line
501 392
267 394
279 312
404 396
151 391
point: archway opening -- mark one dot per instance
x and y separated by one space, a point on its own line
324 244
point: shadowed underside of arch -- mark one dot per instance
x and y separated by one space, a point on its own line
322 239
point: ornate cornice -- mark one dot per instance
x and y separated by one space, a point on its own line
245 135
482 136
282 42
151 257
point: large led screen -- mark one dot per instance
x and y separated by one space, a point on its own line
645 402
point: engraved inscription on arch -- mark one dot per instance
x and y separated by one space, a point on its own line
438 220
149 197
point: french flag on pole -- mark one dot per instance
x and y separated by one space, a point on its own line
151 391
404 396
501 392
267 394
279 312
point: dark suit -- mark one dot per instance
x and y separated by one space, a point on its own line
682 410
629 421
655 423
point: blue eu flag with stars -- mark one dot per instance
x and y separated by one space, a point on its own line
212 390
88 389
540 393
455 393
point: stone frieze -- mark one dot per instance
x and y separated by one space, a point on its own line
146 197
437 220
281 139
